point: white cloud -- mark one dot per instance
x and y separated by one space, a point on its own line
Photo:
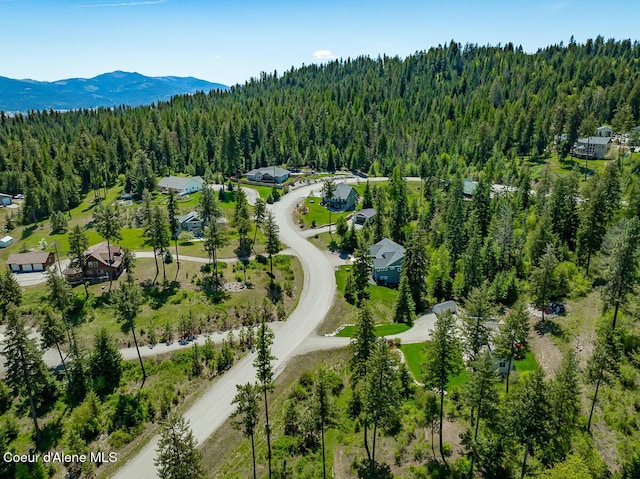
123 4
323 55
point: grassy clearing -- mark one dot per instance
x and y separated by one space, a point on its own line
380 330
166 307
382 302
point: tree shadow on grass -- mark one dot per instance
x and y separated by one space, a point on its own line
549 326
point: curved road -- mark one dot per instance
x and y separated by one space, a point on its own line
213 408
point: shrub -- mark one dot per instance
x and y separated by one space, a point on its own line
119 438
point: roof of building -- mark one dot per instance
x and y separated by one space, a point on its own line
100 252
5 195
469 186
604 127
178 182
28 258
190 216
269 170
386 252
367 212
6 239
445 306
595 140
343 191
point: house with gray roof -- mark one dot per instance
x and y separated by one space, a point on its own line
344 198
181 185
469 187
268 174
387 257
5 199
604 131
191 222
364 216
593 147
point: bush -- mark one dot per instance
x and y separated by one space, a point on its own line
119 438
168 257
261 259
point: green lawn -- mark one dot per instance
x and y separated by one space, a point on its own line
415 356
381 330
314 211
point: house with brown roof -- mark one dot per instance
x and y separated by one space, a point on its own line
28 262
101 262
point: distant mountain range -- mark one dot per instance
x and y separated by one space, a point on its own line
106 90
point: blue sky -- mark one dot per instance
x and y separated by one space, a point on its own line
232 41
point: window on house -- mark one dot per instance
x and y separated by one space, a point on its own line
502 364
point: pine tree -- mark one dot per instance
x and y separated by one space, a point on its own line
215 238
271 231
527 414
511 339
621 253
105 363
543 278
367 197
78 244
259 210
264 372
208 205
381 397
321 410
361 274
126 301
241 221
603 364
328 190
174 224
26 372
443 360
403 311
108 224
159 237
245 416
478 311
178 455
52 331
414 265
10 292
564 398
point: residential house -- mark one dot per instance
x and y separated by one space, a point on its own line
5 199
268 174
604 131
593 147
6 241
344 198
191 222
364 216
98 263
387 257
181 185
28 262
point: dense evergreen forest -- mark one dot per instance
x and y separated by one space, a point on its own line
477 104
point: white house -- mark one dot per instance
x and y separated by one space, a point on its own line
604 131
180 185
6 241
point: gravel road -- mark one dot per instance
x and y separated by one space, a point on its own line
214 407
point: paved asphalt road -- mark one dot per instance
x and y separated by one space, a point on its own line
214 407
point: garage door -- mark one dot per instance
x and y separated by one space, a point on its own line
27 267
37 267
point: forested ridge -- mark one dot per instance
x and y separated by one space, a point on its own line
478 104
